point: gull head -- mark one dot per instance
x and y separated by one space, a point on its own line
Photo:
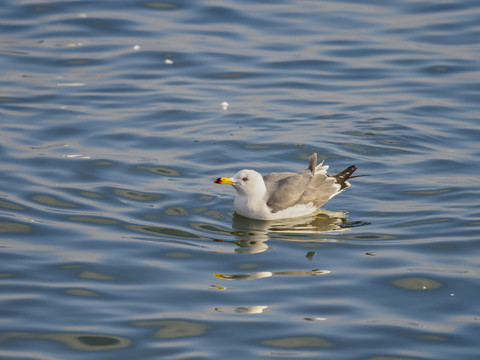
246 182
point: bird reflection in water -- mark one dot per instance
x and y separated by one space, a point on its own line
263 274
241 309
252 235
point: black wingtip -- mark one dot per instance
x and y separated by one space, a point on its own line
343 176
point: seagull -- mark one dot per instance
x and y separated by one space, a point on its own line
287 194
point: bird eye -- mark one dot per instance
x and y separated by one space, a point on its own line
244 179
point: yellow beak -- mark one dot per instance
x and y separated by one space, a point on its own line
224 180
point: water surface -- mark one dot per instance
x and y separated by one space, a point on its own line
114 241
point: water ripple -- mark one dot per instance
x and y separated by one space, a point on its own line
115 242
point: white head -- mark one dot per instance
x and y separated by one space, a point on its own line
251 193
248 183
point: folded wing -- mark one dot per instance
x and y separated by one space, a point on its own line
288 189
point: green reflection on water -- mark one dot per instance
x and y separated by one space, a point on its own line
178 254
299 342
256 147
160 5
175 328
205 198
93 220
95 276
136 195
371 237
209 228
81 292
103 163
50 200
176 211
89 194
430 337
11 227
417 283
78 341
98 340
9 205
163 231
424 222
160 170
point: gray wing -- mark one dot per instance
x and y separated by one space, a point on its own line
286 189
324 187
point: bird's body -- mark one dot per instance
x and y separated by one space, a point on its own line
288 194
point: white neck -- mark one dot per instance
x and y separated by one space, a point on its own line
251 206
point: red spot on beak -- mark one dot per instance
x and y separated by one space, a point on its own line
224 180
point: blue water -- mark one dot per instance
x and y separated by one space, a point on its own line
116 244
